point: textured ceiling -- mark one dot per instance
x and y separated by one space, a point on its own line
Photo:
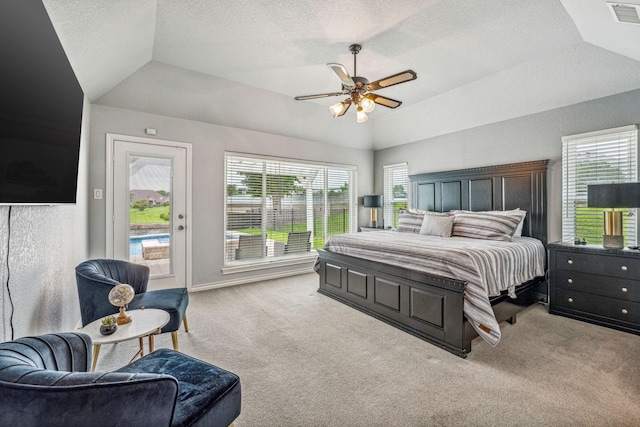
477 62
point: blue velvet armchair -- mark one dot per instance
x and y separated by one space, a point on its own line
96 277
44 381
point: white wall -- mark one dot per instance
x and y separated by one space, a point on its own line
528 138
209 143
40 247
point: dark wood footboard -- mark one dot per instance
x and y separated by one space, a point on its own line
428 307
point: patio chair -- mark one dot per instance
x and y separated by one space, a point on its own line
298 241
250 246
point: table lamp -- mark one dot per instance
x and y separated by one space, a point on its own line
613 196
374 202
120 296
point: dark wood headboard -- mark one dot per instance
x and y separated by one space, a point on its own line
502 187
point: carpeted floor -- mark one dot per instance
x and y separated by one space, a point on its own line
307 360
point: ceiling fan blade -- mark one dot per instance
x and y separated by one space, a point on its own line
320 95
402 77
382 100
342 74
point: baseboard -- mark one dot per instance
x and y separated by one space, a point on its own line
253 279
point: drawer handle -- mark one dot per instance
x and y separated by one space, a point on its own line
624 268
569 280
570 299
624 311
570 261
624 289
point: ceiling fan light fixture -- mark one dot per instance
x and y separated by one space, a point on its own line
340 108
360 90
361 116
367 104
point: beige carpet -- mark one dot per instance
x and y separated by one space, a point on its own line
307 360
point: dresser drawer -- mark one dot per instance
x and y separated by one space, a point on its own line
612 308
604 265
613 287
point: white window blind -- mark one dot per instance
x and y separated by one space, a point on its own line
271 202
603 157
396 188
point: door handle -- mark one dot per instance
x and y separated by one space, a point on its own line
181 227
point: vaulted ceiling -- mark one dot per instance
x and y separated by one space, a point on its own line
241 62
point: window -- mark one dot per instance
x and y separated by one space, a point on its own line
603 157
396 186
274 207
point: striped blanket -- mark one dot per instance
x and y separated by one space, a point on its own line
488 266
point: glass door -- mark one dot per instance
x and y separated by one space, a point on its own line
149 209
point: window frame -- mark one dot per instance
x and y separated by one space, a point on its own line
389 183
323 171
614 157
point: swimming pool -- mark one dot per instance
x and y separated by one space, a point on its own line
135 245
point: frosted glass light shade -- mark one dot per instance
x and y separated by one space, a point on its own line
361 115
340 108
367 105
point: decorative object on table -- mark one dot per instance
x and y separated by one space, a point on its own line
109 325
120 296
373 202
612 196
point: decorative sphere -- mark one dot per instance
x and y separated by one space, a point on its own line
121 294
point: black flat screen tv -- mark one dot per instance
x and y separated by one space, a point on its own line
40 110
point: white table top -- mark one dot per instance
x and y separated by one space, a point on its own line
143 323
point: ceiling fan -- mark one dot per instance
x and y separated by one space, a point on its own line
360 91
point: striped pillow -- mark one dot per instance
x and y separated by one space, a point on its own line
484 226
409 222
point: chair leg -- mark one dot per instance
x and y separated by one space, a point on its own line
185 323
174 338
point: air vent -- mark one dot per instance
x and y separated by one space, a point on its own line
625 13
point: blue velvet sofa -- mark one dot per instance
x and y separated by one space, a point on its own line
44 381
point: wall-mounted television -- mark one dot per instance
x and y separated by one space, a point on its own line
40 110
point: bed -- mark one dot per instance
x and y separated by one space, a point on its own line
441 305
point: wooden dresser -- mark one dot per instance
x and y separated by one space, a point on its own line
596 285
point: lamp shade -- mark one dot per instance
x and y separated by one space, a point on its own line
373 201
614 195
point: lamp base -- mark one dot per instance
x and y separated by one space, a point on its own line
122 318
612 242
373 224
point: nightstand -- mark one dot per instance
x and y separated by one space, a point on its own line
595 285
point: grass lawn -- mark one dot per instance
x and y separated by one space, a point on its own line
149 215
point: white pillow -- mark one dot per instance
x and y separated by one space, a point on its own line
437 224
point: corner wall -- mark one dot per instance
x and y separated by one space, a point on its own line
40 247
533 137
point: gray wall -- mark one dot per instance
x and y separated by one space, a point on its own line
209 143
41 245
533 137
